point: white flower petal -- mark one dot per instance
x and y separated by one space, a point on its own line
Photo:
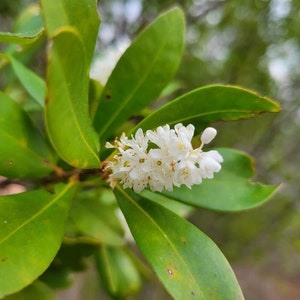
171 162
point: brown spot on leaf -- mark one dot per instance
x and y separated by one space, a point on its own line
4 259
107 96
46 162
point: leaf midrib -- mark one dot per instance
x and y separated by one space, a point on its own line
131 95
36 215
165 236
73 115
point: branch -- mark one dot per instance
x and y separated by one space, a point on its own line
54 178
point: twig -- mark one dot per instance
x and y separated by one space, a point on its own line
54 178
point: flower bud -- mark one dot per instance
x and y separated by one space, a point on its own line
208 135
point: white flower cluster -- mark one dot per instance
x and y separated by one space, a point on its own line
163 158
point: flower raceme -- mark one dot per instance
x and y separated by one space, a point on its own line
162 158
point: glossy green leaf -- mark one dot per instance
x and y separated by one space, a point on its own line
96 218
38 290
19 38
142 72
209 104
34 84
24 152
66 110
82 15
230 190
186 261
119 275
179 208
32 227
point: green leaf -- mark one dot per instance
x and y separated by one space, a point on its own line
95 90
142 72
187 262
73 253
230 190
19 38
57 279
119 275
208 104
81 15
38 290
24 152
34 84
32 230
30 20
179 208
66 110
95 218
27 29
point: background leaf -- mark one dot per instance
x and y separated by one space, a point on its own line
118 272
66 111
230 190
95 90
187 262
73 256
81 15
38 290
208 104
97 218
19 38
73 253
34 84
24 152
142 72
32 230
28 28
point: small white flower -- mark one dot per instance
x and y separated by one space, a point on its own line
208 135
208 165
170 161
